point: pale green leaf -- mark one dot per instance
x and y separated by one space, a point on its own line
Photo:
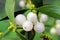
9 7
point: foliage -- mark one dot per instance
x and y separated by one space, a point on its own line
9 8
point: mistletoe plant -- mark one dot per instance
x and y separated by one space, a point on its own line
30 20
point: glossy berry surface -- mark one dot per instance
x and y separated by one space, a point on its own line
27 26
20 19
39 27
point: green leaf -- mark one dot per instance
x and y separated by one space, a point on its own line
2 9
17 8
4 25
9 7
2 14
51 21
50 10
56 2
51 2
21 35
11 36
37 36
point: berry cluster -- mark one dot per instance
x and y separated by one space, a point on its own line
31 22
56 30
26 4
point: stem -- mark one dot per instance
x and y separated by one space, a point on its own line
27 35
30 35
20 35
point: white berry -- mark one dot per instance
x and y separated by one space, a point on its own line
43 18
22 3
20 19
27 26
57 21
27 5
32 17
53 31
39 27
57 25
58 31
